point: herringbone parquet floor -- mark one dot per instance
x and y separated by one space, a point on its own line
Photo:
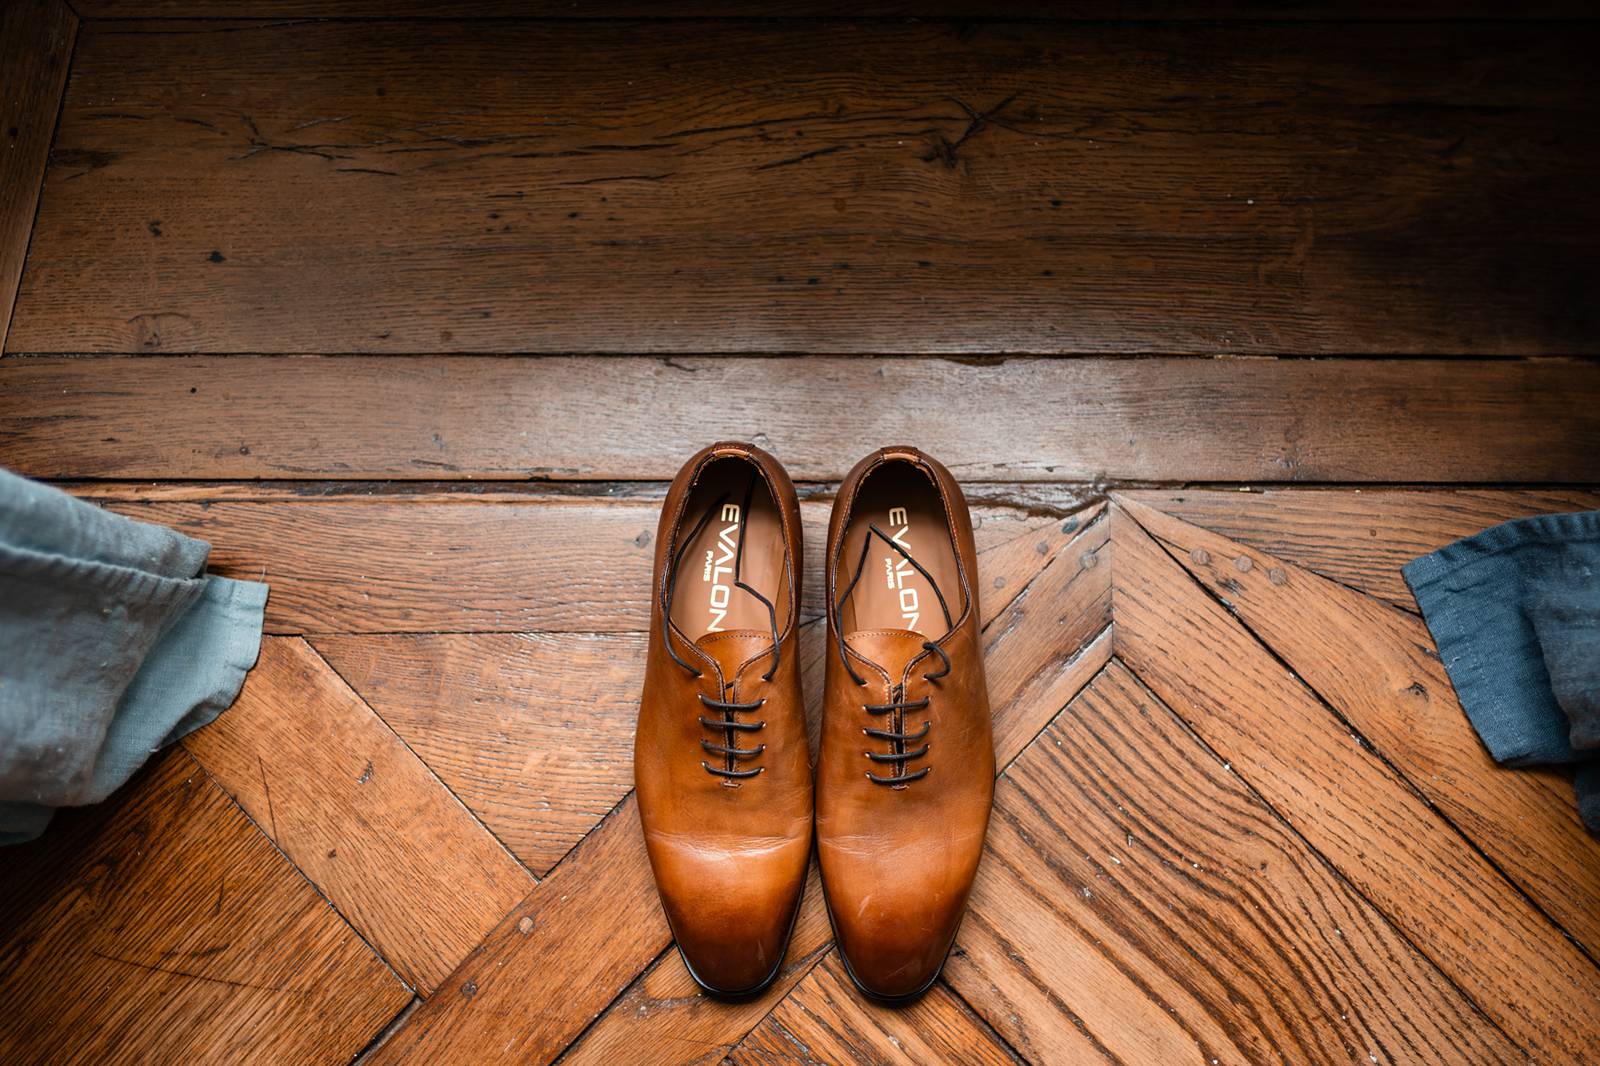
412 308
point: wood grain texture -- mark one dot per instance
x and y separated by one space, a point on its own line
1358 537
358 564
1376 666
826 1020
1138 904
1049 640
1080 9
1354 809
551 965
579 418
161 926
360 815
311 267
36 38
344 564
820 186
534 731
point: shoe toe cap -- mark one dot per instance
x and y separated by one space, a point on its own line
895 943
731 954
895 917
732 918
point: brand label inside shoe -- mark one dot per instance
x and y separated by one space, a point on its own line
719 567
897 569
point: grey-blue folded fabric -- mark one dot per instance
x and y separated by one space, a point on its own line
114 642
1515 613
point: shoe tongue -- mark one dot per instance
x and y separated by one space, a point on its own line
732 647
890 649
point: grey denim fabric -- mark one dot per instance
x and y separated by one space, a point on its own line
113 643
1515 612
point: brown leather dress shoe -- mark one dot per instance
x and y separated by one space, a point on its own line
720 757
905 776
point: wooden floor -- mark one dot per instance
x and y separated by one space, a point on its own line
1220 323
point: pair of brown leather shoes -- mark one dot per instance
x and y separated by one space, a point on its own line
905 775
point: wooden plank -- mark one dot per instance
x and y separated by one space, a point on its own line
1049 641
1138 904
393 565
891 186
1081 9
551 965
533 731
36 38
160 926
1358 537
356 564
359 814
1444 896
579 418
826 1020
1008 565
1377 667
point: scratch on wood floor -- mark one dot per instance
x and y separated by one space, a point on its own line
272 818
194 976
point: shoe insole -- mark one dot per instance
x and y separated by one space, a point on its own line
730 504
905 505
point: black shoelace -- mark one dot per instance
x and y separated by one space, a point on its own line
898 705
897 737
729 709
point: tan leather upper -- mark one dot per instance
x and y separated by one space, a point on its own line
729 855
898 861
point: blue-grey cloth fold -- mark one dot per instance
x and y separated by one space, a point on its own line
113 643
1515 613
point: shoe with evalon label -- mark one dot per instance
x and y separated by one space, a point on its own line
720 757
905 775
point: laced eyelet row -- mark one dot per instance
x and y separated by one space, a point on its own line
897 706
731 750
